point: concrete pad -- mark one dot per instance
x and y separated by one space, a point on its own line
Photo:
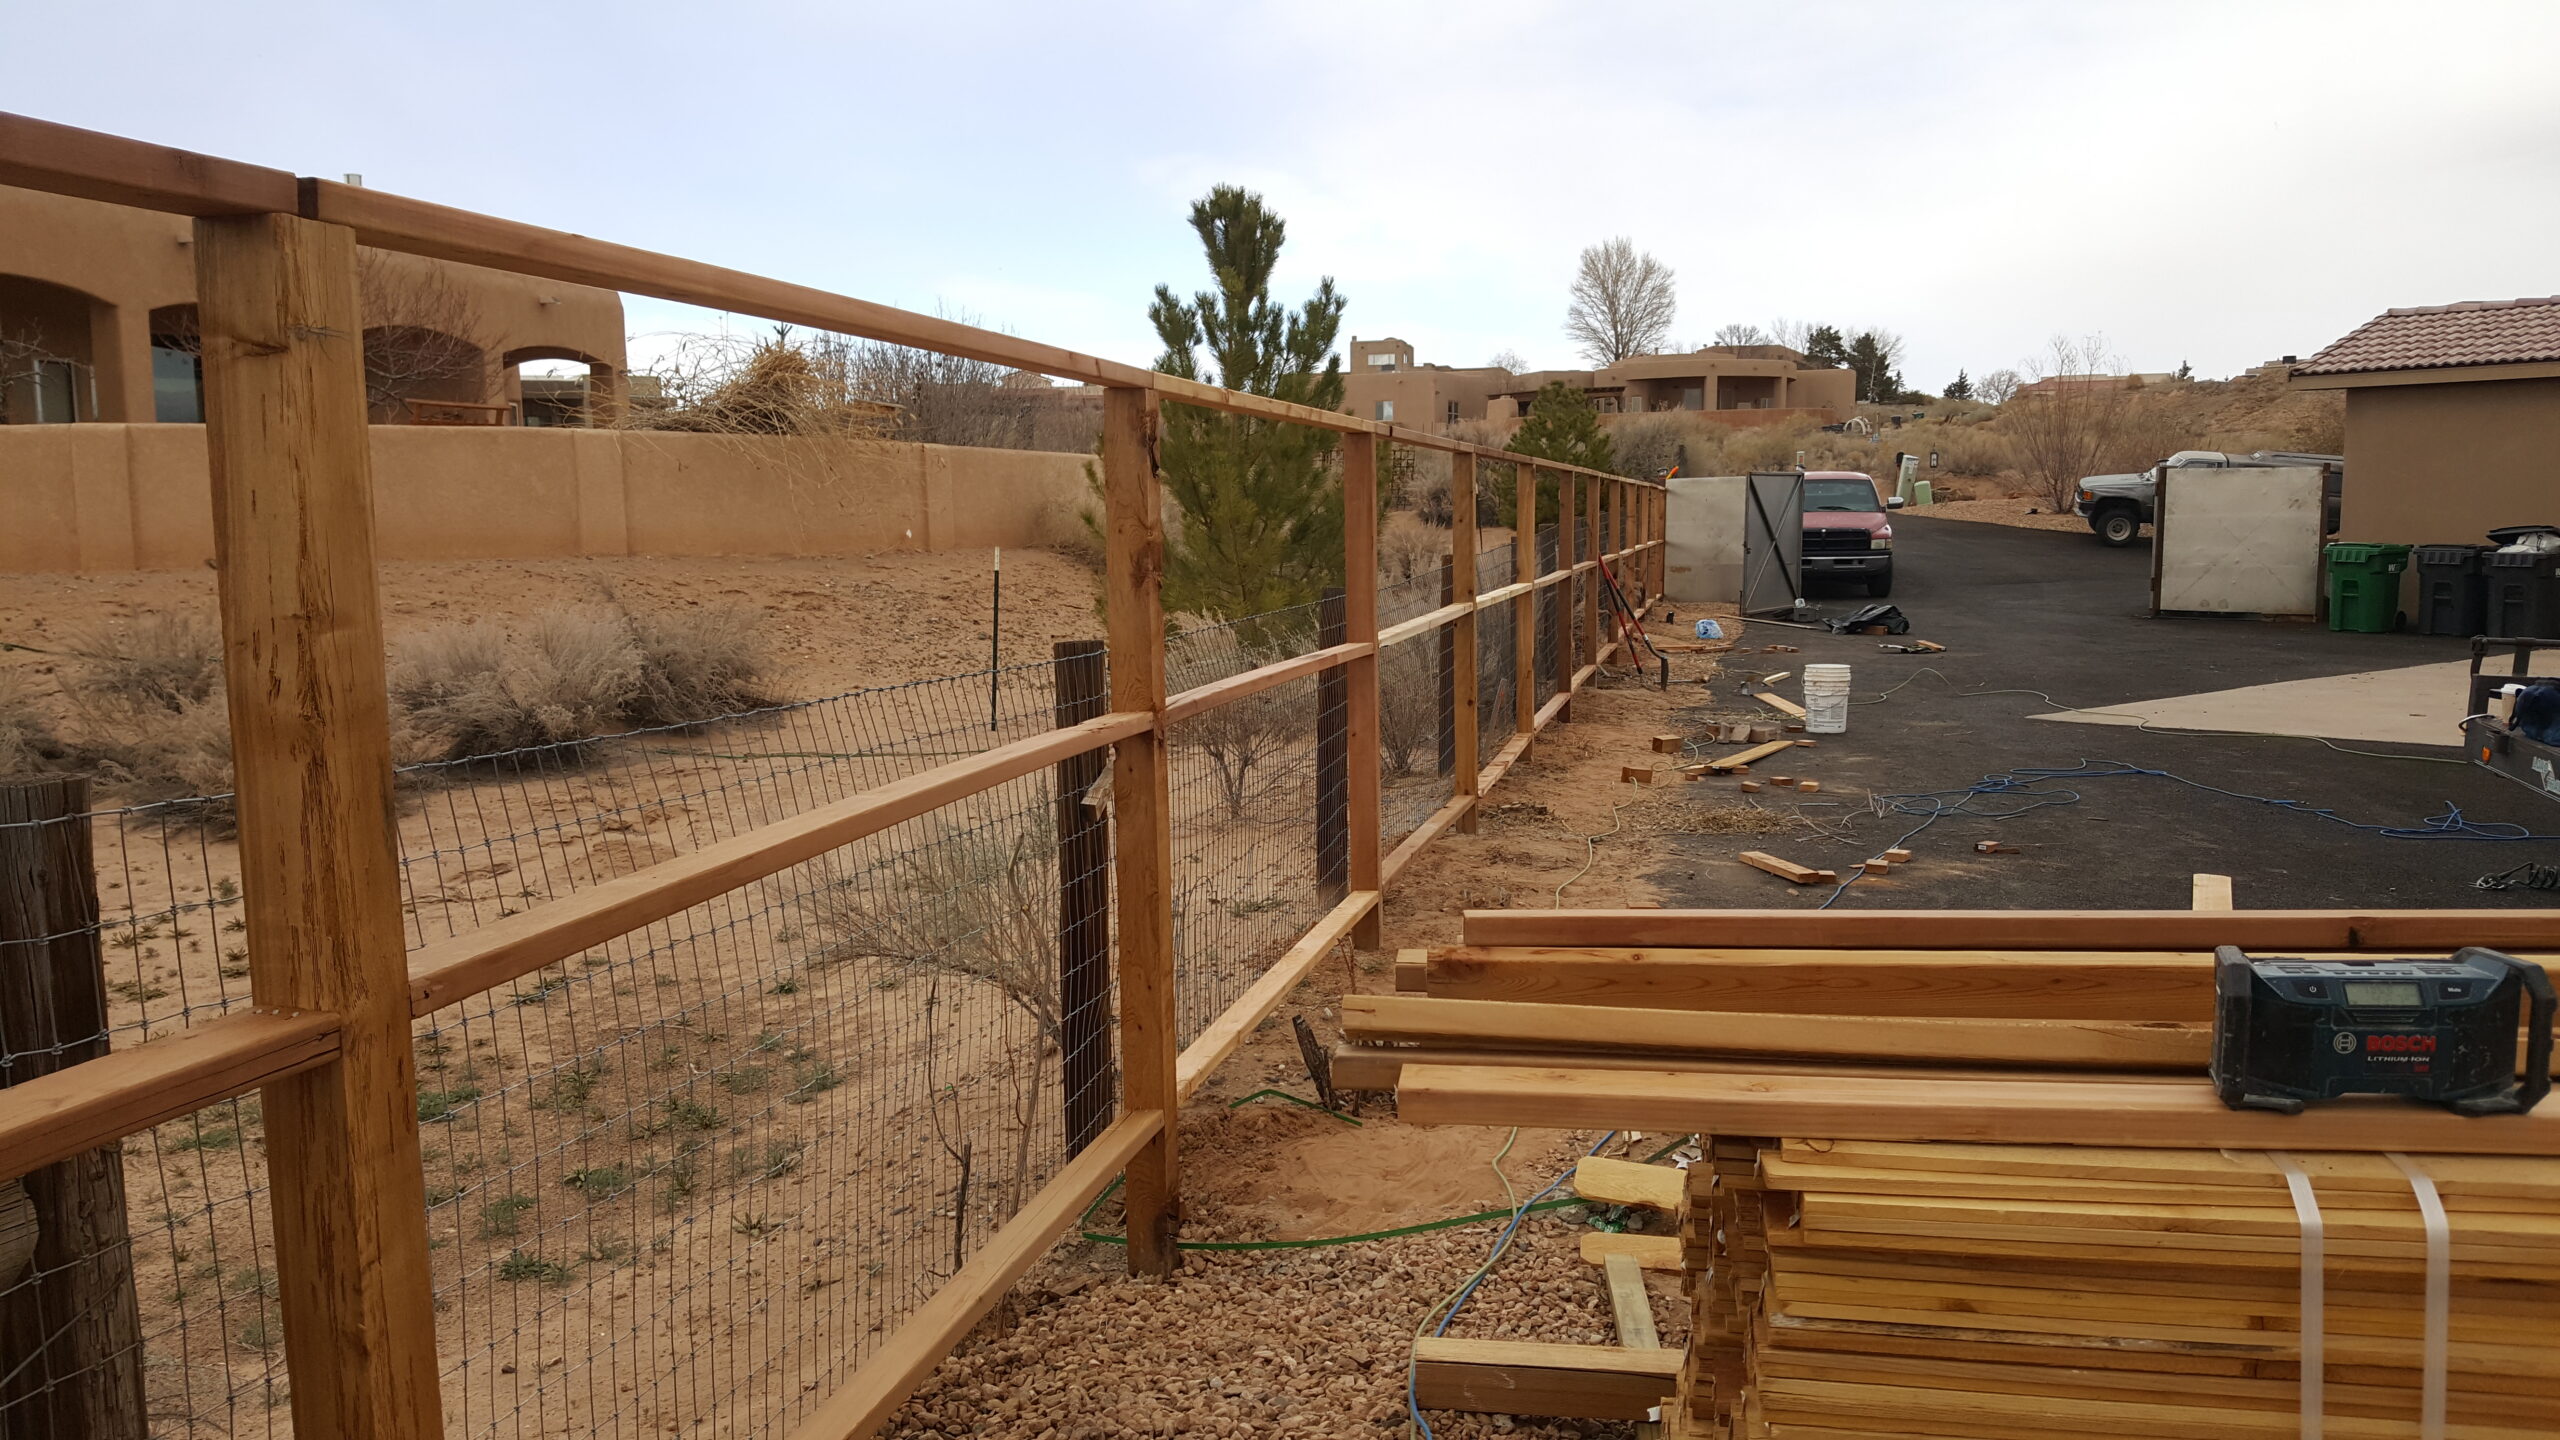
2417 705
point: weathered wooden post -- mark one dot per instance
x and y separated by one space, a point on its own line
1333 758
70 1328
1464 761
1360 676
1524 606
1142 819
320 876
1444 646
1081 683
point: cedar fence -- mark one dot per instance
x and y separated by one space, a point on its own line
337 981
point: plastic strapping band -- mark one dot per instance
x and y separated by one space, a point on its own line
2306 1211
2439 1295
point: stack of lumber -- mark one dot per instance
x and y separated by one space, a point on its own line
1971 1189
1868 1289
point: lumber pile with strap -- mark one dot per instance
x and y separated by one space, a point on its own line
1964 1176
1865 1289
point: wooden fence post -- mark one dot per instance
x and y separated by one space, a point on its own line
1568 611
1333 757
1444 647
1462 567
1591 595
1082 688
320 875
1142 812
70 1327
1524 606
1360 689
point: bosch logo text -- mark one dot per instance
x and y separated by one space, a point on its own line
2399 1044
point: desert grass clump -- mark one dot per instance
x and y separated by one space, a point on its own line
161 662
28 744
698 664
480 692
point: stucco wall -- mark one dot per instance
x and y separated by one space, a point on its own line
137 497
2441 464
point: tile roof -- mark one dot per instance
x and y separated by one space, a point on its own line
2476 332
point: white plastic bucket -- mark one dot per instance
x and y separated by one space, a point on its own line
1826 699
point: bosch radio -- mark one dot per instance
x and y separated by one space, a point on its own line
2288 1031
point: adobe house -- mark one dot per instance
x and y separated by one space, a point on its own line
97 323
1732 384
2453 419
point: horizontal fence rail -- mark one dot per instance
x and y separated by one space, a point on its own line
1132 880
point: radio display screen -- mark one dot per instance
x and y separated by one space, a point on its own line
2403 993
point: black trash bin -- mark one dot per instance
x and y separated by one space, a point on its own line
2453 595
2523 592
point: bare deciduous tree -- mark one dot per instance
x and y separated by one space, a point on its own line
2076 428
1622 303
1508 360
1791 333
1741 333
1996 387
424 338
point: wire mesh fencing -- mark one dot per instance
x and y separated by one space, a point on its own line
137 1281
691 1177
1497 678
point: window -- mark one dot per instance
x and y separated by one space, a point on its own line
1451 416
1386 410
177 385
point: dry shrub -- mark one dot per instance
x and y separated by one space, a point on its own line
1408 546
163 662
471 690
149 753
481 693
1247 742
697 664
1409 706
28 745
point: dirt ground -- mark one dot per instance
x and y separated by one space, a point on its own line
1314 1341
838 623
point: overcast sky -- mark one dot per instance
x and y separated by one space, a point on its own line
2220 183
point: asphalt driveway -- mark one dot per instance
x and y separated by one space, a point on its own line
2058 613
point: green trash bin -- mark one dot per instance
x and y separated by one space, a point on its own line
2364 586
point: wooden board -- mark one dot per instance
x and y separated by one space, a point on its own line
2045 1044
2053 1112
1630 1304
1987 984
1379 1067
1511 1377
1740 758
2418 932
1781 704
1625 1182
1787 870
1653 1252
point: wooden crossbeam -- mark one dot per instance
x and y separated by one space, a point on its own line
2418 932
2055 985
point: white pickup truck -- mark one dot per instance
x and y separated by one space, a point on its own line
2118 506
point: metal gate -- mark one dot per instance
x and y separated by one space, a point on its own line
1772 541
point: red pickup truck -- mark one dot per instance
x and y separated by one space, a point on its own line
1847 535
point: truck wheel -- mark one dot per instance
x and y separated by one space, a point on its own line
1879 586
2116 525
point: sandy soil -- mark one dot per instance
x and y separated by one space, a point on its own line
1314 1342
837 623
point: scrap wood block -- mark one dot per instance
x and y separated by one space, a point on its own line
1626 1182
1640 774
1751 787
1808 787
1993 847
1783 782
1669 744
1759 734
1412 970
1653 1252
1897 855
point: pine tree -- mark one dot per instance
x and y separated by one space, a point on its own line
1261 500
1960 388
1824 347
1562 426
1872 359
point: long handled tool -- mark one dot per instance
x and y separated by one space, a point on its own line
1628 623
